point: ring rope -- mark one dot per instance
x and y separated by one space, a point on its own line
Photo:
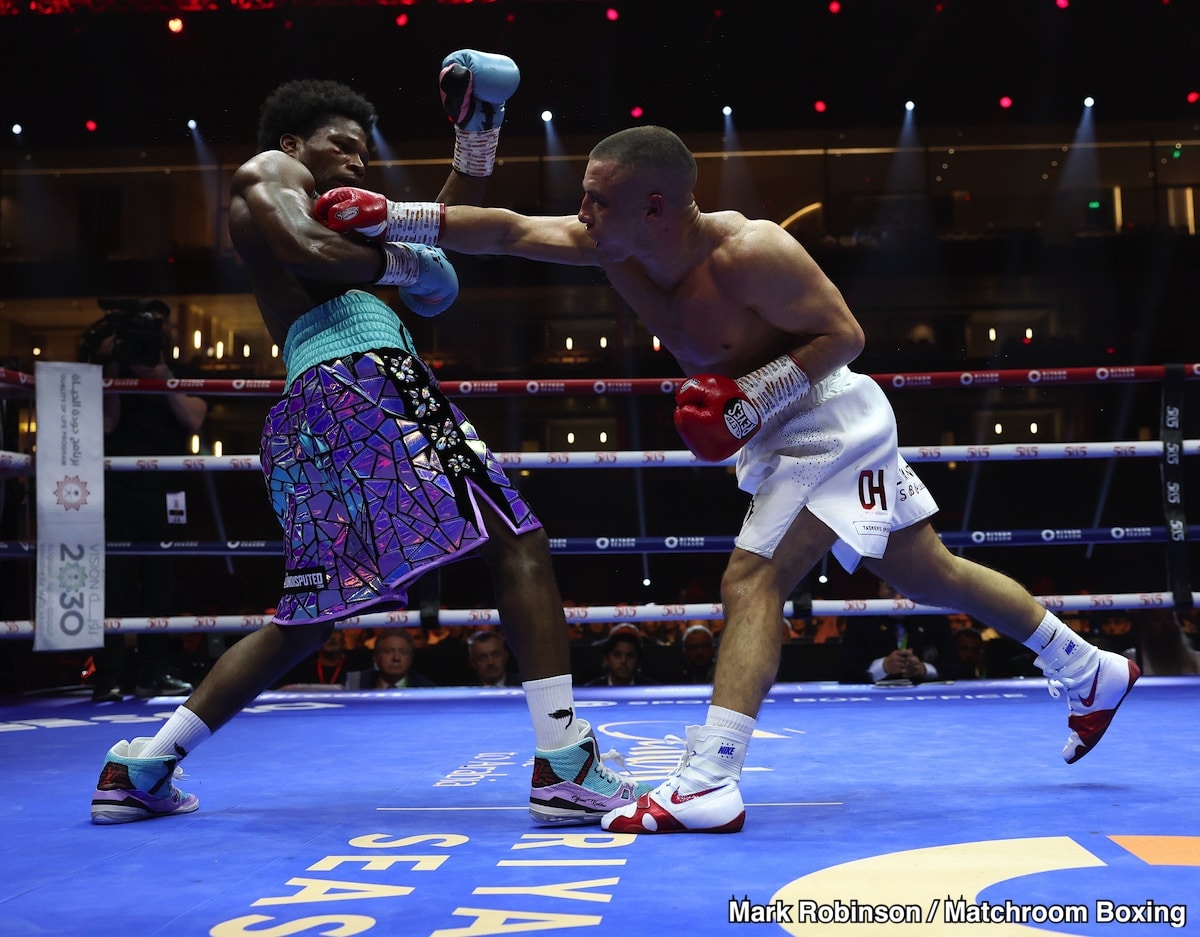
672 543
21 463
706 611
1004 377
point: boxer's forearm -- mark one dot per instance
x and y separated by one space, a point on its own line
471 230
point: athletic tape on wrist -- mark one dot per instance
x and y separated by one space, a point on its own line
415 222
400 266
774 386
475 151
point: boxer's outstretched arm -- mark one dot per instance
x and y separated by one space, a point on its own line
560 240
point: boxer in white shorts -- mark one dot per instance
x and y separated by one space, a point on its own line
753 321
835 454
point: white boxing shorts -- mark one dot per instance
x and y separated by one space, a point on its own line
836 454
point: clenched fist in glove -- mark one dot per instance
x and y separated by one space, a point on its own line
475 87
347 209
427 281
717 415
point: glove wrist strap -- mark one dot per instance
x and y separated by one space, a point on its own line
475 151
401 266
774 386
414 222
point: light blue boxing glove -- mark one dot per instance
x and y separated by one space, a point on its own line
475 87
427 281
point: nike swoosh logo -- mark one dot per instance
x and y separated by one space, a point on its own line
1086 701
676 799
1050 639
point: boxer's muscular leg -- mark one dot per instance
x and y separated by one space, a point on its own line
753 590
252 665
527 597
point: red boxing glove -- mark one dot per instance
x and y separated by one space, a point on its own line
347 209
714 418
716 415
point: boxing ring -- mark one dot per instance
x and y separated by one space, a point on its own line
871 810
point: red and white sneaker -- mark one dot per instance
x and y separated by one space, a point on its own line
1093 698
715 808
665 810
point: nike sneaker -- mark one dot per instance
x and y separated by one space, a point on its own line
574 785
1093 698
673 807
136 788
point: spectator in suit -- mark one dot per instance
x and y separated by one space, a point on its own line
393 659
622 657
488 656
897 647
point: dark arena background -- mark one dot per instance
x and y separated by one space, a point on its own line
1006 195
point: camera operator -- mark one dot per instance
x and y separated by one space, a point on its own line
133 340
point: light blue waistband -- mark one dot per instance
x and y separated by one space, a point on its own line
354 321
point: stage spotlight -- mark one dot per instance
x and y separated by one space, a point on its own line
175 24
727 110
547 116
636 113
90 126
909 105
1193 97
191 124
17 129
820 107
612 15
1006 102
1089 101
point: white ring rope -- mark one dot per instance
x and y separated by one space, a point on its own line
663 458
706 611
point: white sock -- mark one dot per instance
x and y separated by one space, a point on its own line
551 702
1058 648
179 735
719 750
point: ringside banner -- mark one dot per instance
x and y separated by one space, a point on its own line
69 606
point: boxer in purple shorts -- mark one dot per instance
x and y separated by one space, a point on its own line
375 476
365 520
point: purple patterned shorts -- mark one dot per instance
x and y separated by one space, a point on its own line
375 477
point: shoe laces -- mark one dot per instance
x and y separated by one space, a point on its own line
685 757
601 766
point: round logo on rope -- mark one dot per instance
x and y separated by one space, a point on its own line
966 378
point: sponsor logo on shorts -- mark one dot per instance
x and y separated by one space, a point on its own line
304 580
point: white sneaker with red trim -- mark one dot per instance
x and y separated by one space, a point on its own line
1093 698
676 807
